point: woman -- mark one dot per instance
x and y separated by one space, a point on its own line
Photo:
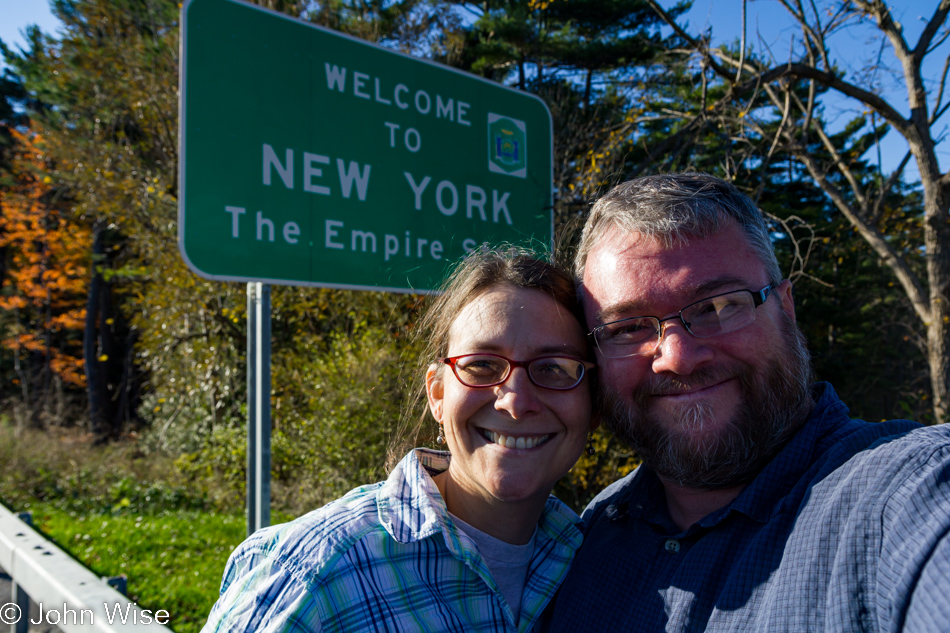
466 540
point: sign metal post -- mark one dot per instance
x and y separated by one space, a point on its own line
258 406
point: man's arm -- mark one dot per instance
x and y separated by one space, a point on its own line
929 608
914 574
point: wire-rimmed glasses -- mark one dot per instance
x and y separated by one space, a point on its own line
487 370
719 314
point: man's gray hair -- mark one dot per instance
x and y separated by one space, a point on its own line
673 208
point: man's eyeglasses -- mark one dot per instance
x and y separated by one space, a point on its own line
641 335
487 370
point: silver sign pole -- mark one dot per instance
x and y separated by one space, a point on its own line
258 406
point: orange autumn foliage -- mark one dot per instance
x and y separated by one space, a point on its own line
47 266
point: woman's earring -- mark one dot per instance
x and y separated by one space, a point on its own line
441 438
590 444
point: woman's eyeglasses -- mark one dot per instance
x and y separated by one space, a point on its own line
487 370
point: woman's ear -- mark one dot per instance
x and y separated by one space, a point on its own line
434 390
593 381
594 421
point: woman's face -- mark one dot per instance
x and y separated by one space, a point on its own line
520 324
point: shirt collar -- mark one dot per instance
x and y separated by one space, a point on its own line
411 508
763 497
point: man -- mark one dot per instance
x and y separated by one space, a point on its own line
759 506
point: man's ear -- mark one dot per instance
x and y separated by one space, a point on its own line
434 391
786 297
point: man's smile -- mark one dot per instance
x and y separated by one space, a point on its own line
692 393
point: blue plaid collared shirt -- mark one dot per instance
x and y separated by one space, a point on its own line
847 529
385 557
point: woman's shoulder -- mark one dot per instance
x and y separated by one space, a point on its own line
312 543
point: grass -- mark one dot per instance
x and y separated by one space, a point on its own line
173 560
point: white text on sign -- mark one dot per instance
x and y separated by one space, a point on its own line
350 174
449 109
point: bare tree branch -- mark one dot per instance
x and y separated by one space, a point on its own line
697 45
874 214
943 85
839 163
742 42
937 43
874 238
936 115
799 260
768 157
885 109
880 12
939 17
812 37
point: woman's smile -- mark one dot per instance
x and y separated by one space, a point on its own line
519 442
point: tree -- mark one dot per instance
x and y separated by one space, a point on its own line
795 124
403 24
109 120
45 268
586 40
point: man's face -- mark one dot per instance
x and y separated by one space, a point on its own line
703 413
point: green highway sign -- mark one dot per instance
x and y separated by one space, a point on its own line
312 158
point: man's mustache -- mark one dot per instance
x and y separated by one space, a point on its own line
700 378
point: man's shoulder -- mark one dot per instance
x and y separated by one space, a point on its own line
914 438
831 440
873 474
894 448
839 438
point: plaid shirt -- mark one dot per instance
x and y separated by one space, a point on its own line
846 529
385 557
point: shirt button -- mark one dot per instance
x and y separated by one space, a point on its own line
672 546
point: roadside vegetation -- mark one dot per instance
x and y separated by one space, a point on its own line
173 559
120 511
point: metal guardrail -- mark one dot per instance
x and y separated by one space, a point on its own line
76 598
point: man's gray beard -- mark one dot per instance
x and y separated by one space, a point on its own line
774 405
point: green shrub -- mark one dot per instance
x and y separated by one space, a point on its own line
64 468
332 417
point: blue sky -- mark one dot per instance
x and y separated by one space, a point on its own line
764 17
18 14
